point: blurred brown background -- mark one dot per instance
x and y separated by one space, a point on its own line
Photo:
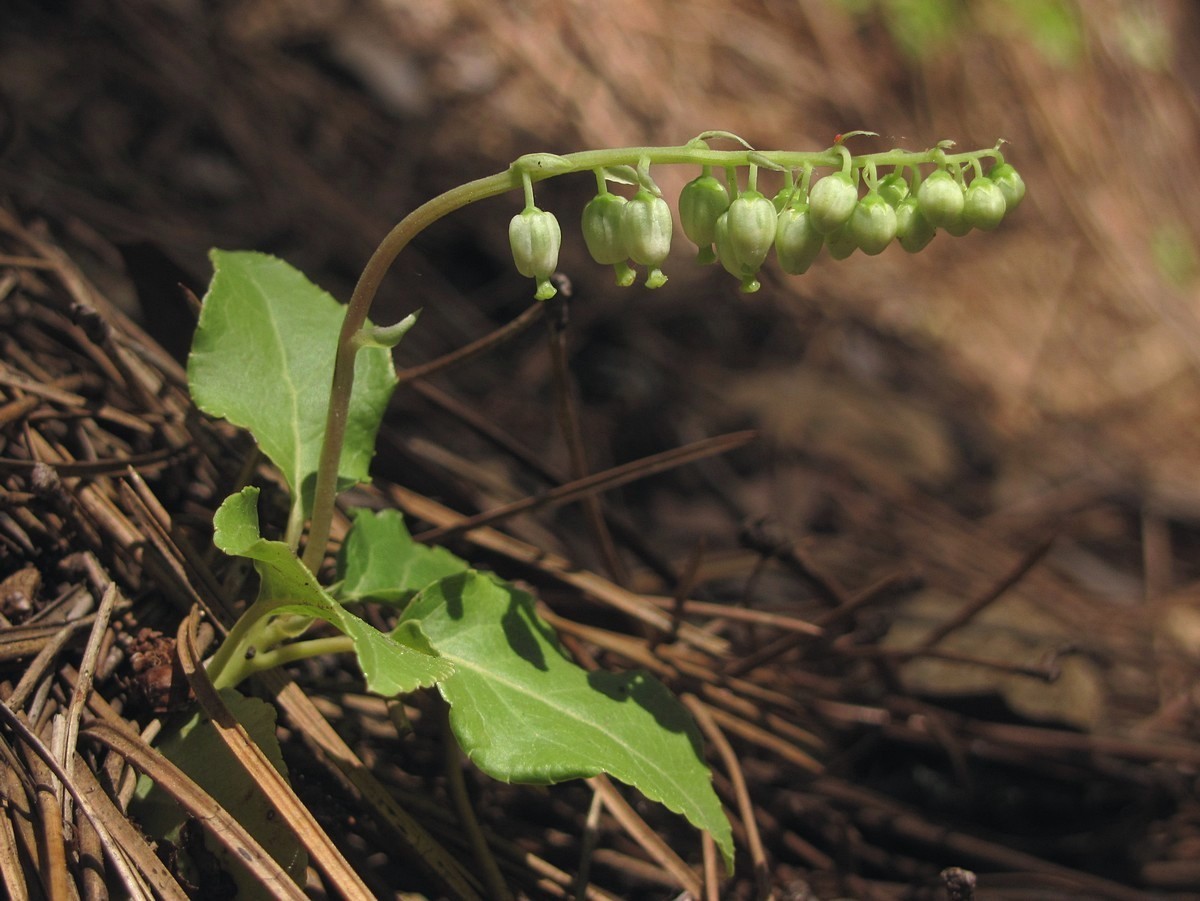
305 128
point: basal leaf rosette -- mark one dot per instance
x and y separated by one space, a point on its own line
392 664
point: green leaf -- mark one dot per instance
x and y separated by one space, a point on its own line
380 561
199 751
262 358
393 664
524 712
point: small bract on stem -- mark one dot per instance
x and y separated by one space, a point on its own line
701 203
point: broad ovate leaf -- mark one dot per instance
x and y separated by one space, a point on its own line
262 358
524 712
379 561
392 664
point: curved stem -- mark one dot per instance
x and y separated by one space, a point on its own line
844 154
356 315
534 167
870 177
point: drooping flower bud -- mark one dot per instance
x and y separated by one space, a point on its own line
841 242
831 201
602 233
941 199
873 224
797 243
984 205
912 229
702 200
893 188
784 197
1010 183
535 239
958 226
752 220
729 258
646 228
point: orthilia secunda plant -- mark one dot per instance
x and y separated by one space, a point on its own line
310 379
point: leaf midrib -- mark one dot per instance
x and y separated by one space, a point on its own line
286 379
493 676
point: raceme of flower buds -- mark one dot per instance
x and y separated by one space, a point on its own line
801 221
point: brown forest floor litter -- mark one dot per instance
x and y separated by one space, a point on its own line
976 469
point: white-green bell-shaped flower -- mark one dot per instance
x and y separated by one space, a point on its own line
535 239
646 226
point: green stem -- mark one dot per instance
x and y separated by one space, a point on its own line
536 167
297 650
228 665
731 182
806 179
847 160
527 184
254 645
870 177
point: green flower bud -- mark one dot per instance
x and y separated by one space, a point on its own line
797 243
912 229
602 234
602 229
646 228
841 242
1011 185
535 239
984 205
700 203
893 188
751 228
729 258
958 226
873 224
941 198
831 201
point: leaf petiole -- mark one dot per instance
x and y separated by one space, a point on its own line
297 650
228 666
